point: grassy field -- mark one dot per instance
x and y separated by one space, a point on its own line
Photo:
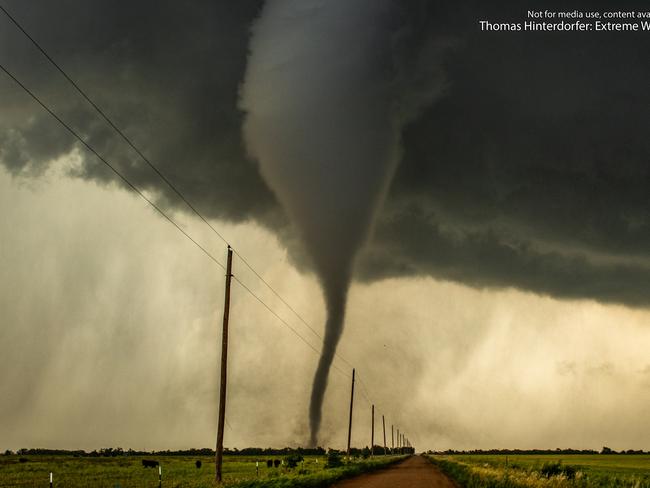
547 470
127 471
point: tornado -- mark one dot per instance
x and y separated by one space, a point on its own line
323 118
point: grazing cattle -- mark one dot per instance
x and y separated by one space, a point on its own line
276 462
198 464
148 463
269 463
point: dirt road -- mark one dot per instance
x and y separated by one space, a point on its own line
415 472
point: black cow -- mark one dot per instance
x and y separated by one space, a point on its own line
198 464
276 462
148 463
269 463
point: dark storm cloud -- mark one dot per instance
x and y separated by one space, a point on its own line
530 171
166 73
488 257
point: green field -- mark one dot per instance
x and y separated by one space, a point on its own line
177 471
570 470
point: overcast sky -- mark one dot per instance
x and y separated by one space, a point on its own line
500 299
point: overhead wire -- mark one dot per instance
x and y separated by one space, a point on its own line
288 305
109 165
284 322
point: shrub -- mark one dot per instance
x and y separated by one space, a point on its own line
556 468
333 459
551 469
293 460
569 472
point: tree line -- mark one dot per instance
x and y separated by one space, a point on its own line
604 450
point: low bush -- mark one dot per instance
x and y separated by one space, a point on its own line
293 460
321 479
551 469
334 459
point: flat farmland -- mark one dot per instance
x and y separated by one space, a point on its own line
177 471
525 470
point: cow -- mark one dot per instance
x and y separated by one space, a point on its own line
148 463
269 463
198 464
276 462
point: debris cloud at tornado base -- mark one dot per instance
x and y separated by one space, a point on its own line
324 107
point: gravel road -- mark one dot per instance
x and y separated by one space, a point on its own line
414 472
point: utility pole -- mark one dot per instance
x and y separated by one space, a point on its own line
224 366
397 440
350 423
392 440
383 424
372 435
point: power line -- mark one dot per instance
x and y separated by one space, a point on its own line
109 165
285 323
108 120
158 172
364 391
288 305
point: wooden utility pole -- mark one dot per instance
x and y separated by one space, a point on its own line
392 440
351 405
397 440
224 367
383 424
372 435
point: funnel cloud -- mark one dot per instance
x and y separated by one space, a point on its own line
324 109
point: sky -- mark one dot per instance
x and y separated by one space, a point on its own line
498 274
